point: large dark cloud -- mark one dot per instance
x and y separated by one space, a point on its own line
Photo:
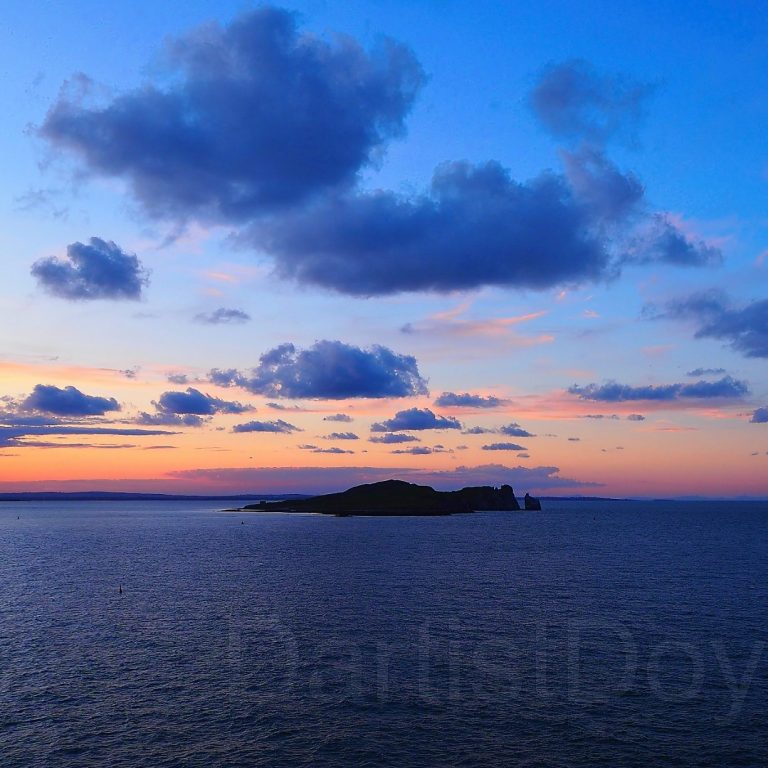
329 370
416 419
745 328
96 270
760 416
467 400
276 425
254 115
613 392
195 402
68 401
476 226
574 101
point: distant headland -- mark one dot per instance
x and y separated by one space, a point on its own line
397 497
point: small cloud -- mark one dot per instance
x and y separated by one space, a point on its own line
515 430
697 373
744 328
177 378
98 270
170 419
574 439
416 419
467 400
193 401
393 438
317 449
613 392
341 436
222 316
503 447
478 431
420 450
635 417
760 416
278 425
572 100
68 401
343 417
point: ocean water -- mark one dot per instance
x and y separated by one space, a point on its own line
591 634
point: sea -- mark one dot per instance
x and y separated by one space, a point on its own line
593 633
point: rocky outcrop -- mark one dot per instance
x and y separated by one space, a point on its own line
396 497
531 504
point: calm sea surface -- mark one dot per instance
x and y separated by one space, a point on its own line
593 633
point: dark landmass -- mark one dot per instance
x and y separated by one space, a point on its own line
120 496
396 497
531 504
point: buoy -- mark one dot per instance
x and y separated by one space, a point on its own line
120 590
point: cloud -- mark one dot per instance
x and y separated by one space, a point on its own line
573 101
277 425
331 479
416 419
341 436
613 392
254 115
222 316
281 407
420 450
177 378
478 431
98 270
574 439
342 417
660 239
329 370
515 430
318 449
613 416
503 447
475 226
467 400
393 439
635 417
193 401
13 436
760 416
68 401
699 372
744 328
169 419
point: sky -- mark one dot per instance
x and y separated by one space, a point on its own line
261 248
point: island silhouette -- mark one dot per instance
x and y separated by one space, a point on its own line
398 497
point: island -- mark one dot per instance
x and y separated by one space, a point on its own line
397 497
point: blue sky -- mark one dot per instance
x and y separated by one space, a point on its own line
520 302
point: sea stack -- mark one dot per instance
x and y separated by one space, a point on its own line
530 503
